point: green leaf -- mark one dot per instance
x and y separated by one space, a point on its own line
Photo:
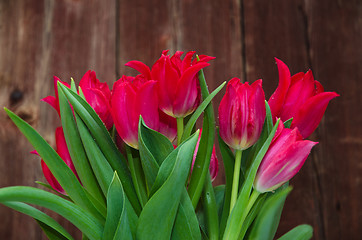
158 215
186 224
264 227
237 216
103 171
76 149
116 211
50 232
301 232
228 160
153 148
202 161
192 121
210 209
47 223
252 214
57 166
105 143
84 221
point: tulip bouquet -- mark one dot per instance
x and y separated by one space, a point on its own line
130 164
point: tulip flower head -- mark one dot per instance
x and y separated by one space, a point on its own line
299 97
178 91
242 114
284 158
133 97
98 95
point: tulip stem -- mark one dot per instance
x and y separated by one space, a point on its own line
235 186
180 129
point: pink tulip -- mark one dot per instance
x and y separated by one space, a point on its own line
242 114
179 91
135 96
214 163
300 97
63 152
98 96
284 158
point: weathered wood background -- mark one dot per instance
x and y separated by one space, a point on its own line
39 39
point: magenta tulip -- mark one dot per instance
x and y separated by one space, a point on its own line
179 90
284 158
63 152
135 96
299 97
242 114
214 163
98 96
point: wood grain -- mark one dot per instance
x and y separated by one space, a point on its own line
39 39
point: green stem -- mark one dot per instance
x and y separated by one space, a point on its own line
235 187
133 174
210 208
180 129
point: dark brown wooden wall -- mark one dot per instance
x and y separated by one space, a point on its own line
39 39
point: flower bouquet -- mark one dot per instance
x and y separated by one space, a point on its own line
130 164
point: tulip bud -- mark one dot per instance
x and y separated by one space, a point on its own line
299 97
242 114
284 158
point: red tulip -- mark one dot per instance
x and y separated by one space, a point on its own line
300 97
63 152
242 114
284 158
179 91
98 96
214 163
135 96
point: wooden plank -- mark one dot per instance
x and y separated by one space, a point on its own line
38 40
336 54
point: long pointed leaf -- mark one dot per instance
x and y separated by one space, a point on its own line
76 215
57 166
301 232
98 162
157 217
192 121
116 210
76 149
40 217
264 227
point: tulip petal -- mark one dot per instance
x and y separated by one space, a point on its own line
311 112
141 67
167 77
187 92
277 99
298 93
123 98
